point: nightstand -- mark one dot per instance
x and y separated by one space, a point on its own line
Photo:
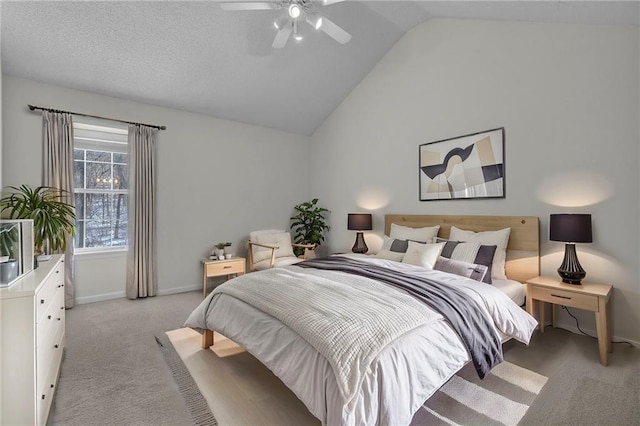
219 268
588 296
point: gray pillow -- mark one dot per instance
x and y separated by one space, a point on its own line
464 269
484 256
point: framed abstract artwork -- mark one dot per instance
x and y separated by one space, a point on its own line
464 167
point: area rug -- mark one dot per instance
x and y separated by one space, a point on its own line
195 402
502 398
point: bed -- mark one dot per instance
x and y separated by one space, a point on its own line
382 371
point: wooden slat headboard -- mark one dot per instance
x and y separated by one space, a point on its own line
523 251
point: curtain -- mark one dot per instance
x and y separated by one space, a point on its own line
141 262
57 140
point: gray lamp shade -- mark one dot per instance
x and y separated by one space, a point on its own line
359 222
570 228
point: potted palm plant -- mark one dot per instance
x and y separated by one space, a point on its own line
52 218
308 224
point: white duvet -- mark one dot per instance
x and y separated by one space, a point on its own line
394 384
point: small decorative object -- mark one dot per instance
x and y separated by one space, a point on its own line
220 247
470 166
359 222
228 256
571 229
309 225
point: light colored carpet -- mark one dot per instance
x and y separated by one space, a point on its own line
114 373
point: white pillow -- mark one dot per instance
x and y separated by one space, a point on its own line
281 240
424 255
427 234
498 238
390 255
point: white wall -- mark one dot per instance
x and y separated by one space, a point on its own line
567 96
217 180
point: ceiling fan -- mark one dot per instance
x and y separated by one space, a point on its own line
297 11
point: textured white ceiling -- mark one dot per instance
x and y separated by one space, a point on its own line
193 56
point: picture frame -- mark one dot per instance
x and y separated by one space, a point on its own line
464 167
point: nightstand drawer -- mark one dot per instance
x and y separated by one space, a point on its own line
566 298
225 268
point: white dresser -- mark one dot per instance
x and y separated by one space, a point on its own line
31 343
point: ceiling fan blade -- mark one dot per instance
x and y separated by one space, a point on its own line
334 31
328 2
282 36
250 5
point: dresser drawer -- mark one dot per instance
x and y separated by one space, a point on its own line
48 290
49 353
51 319
566 298
225 268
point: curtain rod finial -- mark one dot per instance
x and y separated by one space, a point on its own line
31 107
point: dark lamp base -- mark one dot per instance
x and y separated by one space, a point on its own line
571 271
360 246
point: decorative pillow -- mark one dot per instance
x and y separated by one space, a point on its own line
465 269
281 240
392 244
498 238
390 255
424 255
427 234
471 253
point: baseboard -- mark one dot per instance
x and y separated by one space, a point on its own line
574 329
100 297
176 290
122 294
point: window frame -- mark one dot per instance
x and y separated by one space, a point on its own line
115 145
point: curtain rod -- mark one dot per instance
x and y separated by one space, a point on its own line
32 107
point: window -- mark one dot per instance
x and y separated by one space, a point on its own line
100 186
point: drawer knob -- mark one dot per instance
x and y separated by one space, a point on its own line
51 385
227 267
42 396
48 316
62 307
61 285
55 346
58 319
57 272
42 301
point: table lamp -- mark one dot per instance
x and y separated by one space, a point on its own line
570 229
359 222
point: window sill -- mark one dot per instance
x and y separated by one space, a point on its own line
119 252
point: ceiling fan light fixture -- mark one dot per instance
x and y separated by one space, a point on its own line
295 10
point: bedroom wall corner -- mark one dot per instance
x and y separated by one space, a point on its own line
567 96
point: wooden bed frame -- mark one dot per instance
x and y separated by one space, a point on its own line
523 250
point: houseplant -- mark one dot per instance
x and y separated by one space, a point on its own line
52 218
220 247
308 224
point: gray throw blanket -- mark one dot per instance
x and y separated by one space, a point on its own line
462 312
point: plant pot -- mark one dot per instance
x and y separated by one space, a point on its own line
8 271
220 253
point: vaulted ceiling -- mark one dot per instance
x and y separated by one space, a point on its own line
194 56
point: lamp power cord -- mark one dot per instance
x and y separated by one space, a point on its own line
585 333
